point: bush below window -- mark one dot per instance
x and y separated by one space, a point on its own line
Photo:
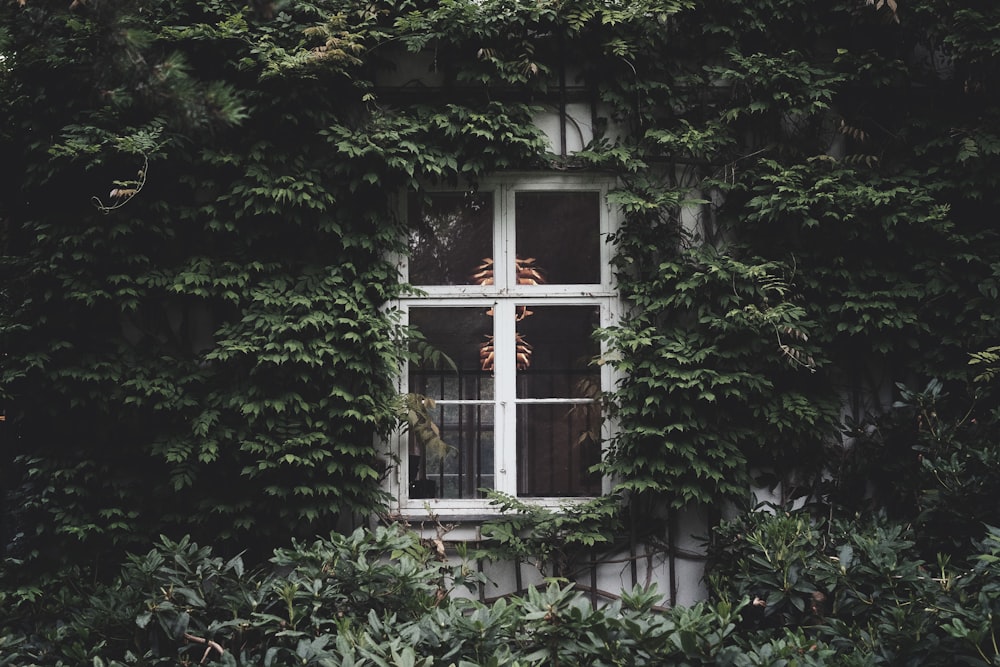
382 598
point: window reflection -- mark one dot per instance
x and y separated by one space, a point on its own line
458 462
560 231
557 445
451 438
450 234
563 350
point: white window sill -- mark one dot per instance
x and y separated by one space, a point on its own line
463 519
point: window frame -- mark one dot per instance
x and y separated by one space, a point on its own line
504 296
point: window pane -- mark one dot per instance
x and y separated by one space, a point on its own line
558 237
449 362
456 460
556 446
450 445
451 234
555 352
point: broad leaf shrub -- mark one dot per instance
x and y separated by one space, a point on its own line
932 461
893 558
834 593
371 598
860 587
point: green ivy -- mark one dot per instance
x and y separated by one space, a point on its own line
198 208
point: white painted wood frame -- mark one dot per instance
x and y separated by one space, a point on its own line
503 297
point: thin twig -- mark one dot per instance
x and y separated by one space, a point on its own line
125 190
209 646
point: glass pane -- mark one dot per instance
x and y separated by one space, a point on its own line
555 352
454 458
556 447
450 361
451 446
451 236
558 237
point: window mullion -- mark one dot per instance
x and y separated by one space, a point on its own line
505 383
505 347
503 241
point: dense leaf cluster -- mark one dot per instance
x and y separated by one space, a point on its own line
792 592
205 346
860 587
841 242
808 190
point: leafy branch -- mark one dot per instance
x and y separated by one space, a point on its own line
124 191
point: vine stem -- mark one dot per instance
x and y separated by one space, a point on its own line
125 194
209 646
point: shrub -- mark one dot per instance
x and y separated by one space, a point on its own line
371 598
859 586
835 593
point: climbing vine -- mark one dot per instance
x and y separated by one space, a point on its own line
808 192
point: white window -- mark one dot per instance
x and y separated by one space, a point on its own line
513 279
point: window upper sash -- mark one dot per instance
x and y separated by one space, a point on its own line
541 238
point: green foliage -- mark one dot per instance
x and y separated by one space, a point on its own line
808 189
989 362
789 590
180 602
860 587
714 378
931 461
203 351
835 593
550 538
374 598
